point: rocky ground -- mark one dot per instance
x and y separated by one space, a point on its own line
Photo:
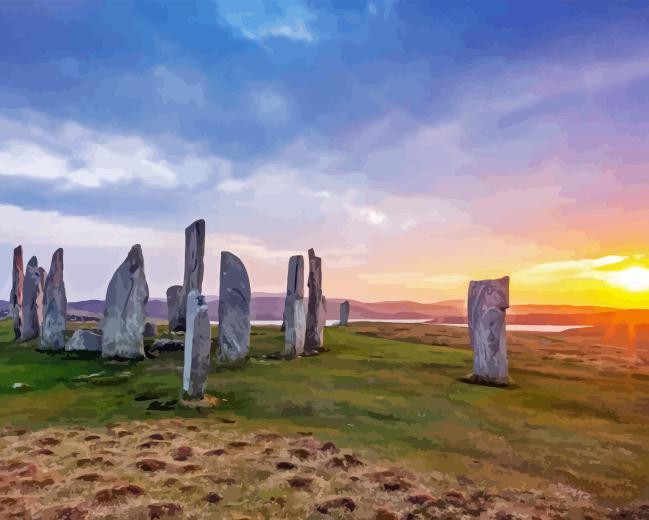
192 469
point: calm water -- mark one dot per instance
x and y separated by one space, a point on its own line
511 328
533 328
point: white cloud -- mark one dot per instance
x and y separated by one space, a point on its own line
82 157
256 20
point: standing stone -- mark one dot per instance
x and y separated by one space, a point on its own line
322 319
150 329
197 346
125 309
194 253
32 301
488 302
294 309
55 306
344 313
315 315
174 304
234 309
16 294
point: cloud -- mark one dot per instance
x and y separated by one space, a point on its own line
174 88
260 20
81 157
566 269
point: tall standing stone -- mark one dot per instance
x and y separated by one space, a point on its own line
294 309
174 305
234 309
197 346
32 301
40 301
54 306
194 253
487 305
315 315
16 294
344 313
125 309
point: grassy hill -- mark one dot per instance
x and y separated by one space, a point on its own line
568 421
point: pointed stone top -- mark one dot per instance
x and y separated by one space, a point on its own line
18 251
234 273
33 262
311 253
135 255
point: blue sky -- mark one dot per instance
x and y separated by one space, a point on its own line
398 138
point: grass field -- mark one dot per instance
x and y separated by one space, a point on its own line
566 422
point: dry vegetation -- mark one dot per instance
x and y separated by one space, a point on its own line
192 469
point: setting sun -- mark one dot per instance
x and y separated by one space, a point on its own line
633 279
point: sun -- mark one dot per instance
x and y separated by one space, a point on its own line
635 279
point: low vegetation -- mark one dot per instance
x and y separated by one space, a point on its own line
574 427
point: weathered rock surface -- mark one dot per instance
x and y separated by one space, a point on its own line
488 302
55 306
193 279
124 311
322 319
315 312
84 341
344 313
16 294
294 308
150 329
174 304
32 301
234 309
197 346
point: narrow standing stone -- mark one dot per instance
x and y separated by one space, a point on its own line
234 309
174 304
125 309
32 301
55 306
344 313
16 294
194 253
314 324
197 346
487 305
294 309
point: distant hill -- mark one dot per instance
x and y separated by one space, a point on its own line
267 306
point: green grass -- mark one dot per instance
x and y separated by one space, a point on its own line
402 401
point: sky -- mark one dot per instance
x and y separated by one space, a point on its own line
415 145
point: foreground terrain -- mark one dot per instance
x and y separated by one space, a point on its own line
570 436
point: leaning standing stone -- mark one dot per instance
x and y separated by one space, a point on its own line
344 313
197 346
55 306
488 302
194 253
294 309
313 339
32 301
234 309
16 295
124 310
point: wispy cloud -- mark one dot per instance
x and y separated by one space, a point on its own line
260 20
78 156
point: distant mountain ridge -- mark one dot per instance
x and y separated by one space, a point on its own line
268 306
